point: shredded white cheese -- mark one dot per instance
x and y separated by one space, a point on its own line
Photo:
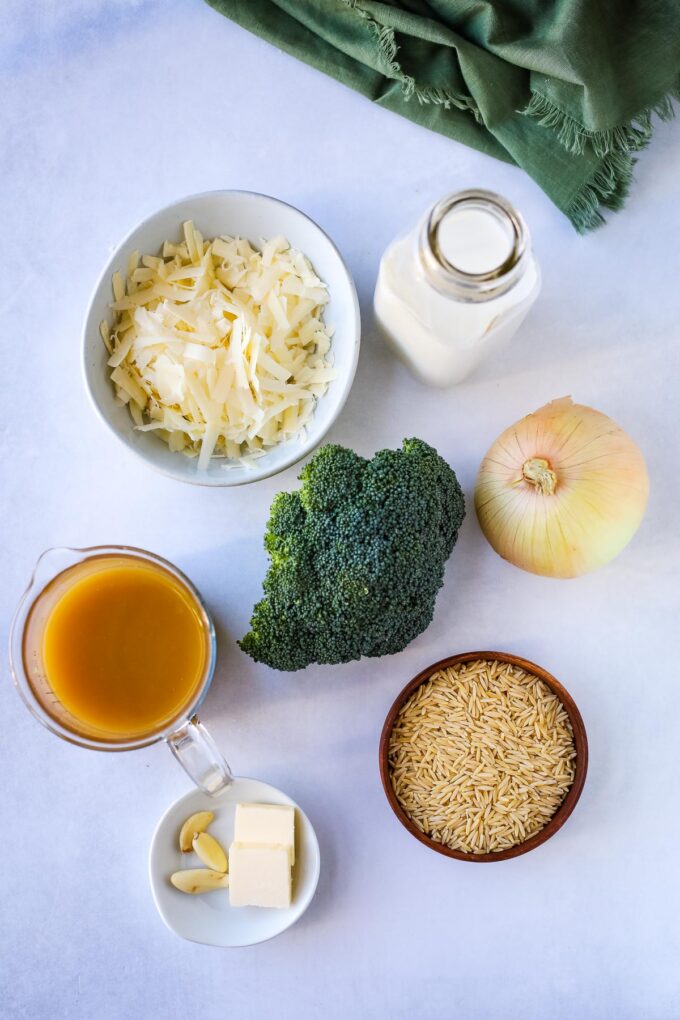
218 348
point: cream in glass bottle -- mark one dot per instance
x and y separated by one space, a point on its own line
457 287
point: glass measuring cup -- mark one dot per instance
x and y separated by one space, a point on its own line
187 738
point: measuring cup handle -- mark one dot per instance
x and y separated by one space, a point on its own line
200 757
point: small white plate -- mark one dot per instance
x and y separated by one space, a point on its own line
208 918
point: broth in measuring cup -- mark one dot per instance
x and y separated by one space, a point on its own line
116 647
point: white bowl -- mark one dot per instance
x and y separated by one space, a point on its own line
255 217
208 917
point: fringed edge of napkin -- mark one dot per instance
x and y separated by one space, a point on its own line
609 185
607 189
388 49
574 137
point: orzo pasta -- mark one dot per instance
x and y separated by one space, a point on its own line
481 756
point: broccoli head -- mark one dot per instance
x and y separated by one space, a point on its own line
357 556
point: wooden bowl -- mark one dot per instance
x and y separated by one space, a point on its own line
567 805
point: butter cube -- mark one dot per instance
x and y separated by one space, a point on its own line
259 876
266 823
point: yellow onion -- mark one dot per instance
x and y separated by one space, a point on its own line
562 491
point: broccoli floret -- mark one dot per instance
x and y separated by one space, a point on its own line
357 556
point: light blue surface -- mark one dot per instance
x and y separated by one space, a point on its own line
109 111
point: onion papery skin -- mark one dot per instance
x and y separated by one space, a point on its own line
601 487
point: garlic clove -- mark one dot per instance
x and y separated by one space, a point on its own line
209 851
198 822
199 880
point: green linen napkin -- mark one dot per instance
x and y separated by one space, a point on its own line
565 89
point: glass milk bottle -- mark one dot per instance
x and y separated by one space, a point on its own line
457 287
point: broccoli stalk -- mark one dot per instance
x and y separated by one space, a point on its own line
357 556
